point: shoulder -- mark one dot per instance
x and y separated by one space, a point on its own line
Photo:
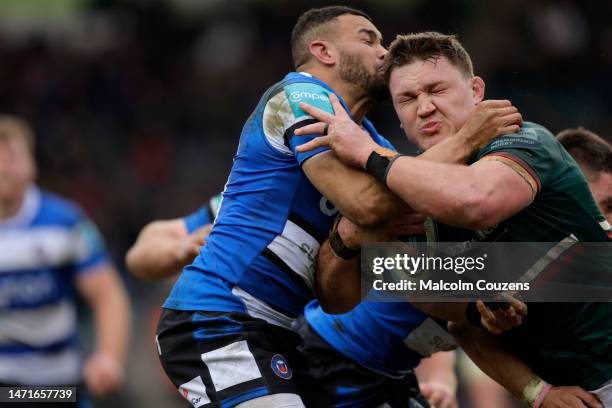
530 136
282 113
286 97
55 209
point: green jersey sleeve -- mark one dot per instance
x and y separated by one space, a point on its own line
533 149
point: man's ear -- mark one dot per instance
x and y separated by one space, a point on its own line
324 52
478 89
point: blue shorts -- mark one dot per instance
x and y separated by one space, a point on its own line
349 384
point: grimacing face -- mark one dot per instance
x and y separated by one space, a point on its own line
433 99
361 54
17 169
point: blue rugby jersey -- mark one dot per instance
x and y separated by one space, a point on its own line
272 220
43 249
387 337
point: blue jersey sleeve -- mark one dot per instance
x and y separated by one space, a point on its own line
204 215
90 250
198 219
283 115
384 142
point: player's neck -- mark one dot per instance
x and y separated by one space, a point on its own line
10 208
355 98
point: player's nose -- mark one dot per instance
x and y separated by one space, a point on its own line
425 106
381 51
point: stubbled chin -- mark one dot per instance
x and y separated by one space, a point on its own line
432 140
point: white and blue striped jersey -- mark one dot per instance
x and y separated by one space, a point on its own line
260 254
43 249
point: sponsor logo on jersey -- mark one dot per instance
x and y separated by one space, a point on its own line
298 96
280 367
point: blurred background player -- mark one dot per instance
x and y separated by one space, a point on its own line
49 253
594 156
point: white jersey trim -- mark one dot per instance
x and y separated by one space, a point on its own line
261 310
40 247
29 208
298 250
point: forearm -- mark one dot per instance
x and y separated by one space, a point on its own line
337 281
159 251
154 258
356 194
447 193
492 356
452 150
112 317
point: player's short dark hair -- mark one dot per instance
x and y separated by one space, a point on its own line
309 27
12 127
587 148
407 48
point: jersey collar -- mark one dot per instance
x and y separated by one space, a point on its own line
27 212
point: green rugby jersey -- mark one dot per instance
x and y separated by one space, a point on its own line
564 343
563 205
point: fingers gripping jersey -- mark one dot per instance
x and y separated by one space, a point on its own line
272 220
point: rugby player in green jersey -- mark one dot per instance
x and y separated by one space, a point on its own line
520 187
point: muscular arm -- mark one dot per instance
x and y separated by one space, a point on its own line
163 248
490 354
359 196
337 281
355 193
493 357
472 197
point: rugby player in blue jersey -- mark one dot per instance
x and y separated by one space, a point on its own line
165 246
522 187
225 336
49 253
